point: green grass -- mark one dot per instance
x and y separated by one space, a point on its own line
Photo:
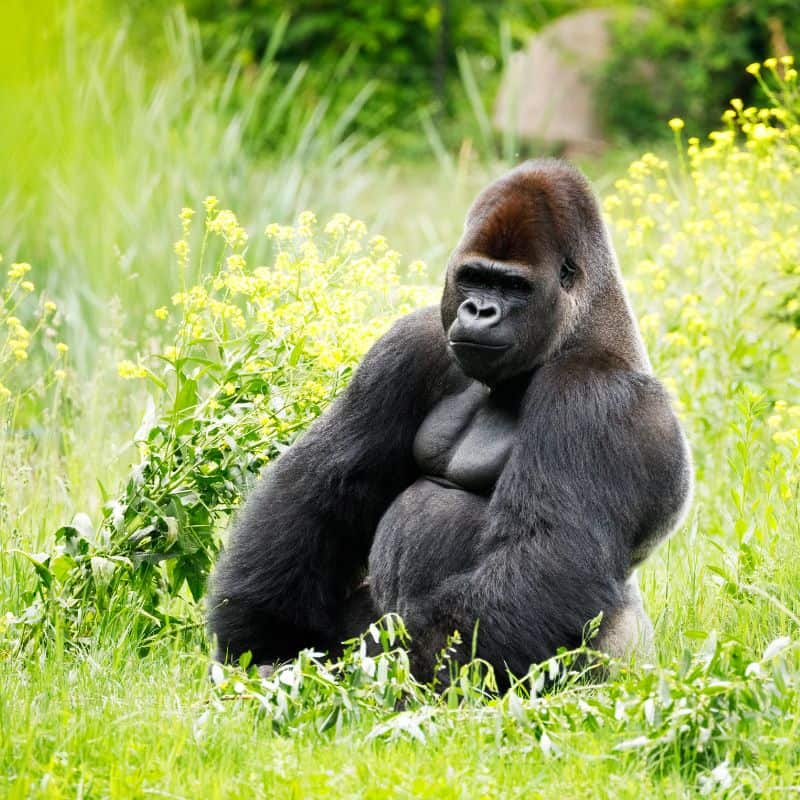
95 211
114 724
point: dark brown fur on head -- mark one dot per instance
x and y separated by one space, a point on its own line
544 204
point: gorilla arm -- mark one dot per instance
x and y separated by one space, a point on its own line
600 473
301 543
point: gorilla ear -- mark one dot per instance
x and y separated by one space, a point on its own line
568 272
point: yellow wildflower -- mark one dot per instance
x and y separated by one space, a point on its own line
129 370
19 270
307 219
235 262
785 437
182 250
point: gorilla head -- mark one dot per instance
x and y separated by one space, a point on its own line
533 255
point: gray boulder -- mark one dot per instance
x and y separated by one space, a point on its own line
547 92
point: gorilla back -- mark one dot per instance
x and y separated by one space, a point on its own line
507 459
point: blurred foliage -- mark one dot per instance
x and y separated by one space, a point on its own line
410 49
101 133
440 61
414 71
687 59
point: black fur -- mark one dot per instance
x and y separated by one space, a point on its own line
506 459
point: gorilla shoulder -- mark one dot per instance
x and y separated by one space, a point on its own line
628 415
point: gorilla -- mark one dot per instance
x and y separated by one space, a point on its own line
498 466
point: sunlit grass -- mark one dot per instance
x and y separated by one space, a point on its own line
98 142
709 247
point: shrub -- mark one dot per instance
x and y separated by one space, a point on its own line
256 354
709 717
686 59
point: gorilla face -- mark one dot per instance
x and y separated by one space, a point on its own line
512 287
501 318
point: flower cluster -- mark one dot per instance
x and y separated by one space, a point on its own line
18 338
305 319
710 248
253 355
786 423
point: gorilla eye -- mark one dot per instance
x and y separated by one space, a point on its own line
471 276
515 284
568 270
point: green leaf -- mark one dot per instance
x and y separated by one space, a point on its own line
186 397
102 570
297 351
61 566
148 421
41 563
104 495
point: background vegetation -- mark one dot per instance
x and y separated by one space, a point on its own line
695 54
421 57
157 349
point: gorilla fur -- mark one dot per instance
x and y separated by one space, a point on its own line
507 459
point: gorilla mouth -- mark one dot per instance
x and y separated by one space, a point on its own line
469 344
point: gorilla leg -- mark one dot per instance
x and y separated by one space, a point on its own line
358 612
627 633
429 535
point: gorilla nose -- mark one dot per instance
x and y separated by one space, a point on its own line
478 314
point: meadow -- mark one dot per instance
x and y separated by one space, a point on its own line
178 307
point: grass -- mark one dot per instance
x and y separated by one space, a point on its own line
104 142
114 724
709 248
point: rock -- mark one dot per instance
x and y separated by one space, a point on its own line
546 93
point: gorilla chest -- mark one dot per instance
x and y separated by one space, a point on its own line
465 440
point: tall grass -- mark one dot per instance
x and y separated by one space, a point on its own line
104 137
103 134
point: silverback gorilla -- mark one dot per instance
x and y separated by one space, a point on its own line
506 460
